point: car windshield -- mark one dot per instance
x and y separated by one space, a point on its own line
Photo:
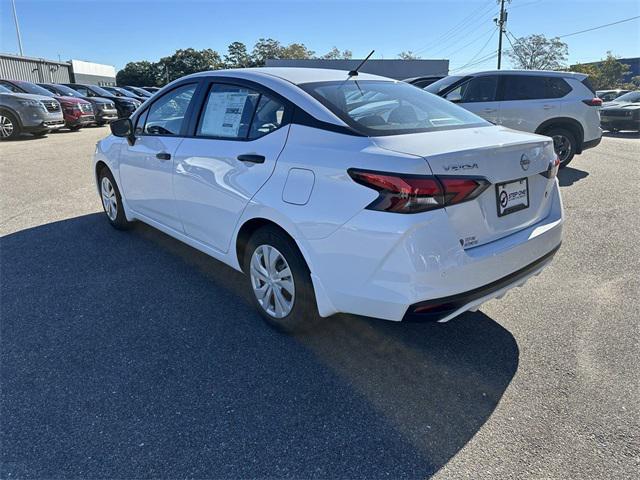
69 92
125 92
33 88
101 91
629 97
444 83
4 89
378 107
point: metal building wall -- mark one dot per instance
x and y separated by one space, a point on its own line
34 69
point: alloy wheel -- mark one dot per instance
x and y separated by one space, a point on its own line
272 281
562 146
6 127
109 199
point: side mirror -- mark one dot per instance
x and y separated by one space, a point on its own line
123 128
454 97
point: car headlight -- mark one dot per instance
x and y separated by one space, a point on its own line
32 103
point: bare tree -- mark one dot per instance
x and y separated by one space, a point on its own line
537 52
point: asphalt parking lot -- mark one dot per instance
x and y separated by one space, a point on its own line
130 355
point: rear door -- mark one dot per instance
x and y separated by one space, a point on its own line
236 141
529 100
478 95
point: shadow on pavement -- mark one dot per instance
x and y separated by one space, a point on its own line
128 355
568 176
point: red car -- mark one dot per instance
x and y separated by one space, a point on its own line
77 112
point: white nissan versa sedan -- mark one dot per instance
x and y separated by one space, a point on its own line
337 192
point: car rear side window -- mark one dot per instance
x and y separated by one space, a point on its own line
166 115
237 112
534 87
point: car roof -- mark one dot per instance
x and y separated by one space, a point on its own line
295 75
545 73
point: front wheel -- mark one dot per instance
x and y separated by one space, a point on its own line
564 144
280 281
112 201
9 126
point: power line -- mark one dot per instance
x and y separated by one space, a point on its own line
484 59
599 26
473 17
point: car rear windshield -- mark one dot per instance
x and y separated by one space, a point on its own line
378 107
629 97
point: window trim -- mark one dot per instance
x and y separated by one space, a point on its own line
187 114
239 83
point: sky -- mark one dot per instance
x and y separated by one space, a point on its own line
116 32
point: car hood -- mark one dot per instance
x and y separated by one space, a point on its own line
623 105
29 96
72 100
99 100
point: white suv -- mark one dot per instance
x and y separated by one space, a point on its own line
561 105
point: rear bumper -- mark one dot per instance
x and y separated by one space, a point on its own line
409 262
445 308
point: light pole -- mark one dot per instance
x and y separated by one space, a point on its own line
15 20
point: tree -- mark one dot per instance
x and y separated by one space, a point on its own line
608 73
237 56
335 54
138 74
537 52
265 48
408 55
187 61
296 51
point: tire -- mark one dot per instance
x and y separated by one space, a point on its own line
564 143
298 311
112 201
40 133
9 126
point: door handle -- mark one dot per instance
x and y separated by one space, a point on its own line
489 110
163 156
548 107
251 158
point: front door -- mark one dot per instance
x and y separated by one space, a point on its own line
238 139
146 167
478 95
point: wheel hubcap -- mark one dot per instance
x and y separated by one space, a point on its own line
272 281
562 146
109 200
6 126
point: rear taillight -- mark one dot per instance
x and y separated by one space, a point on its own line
593 102
552 169
403 193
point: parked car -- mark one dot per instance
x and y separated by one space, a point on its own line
623 113
151 90
23 112
77 113
422 82
609 95
124 105
561 105
140 92
121 92
420 209
104 109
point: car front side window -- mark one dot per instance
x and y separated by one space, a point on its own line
478 89
167 114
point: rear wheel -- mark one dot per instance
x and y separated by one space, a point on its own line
280 280
112 201
564 143
9 126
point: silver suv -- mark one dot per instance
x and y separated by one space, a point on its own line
25 112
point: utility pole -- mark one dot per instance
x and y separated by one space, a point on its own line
501 21
15 20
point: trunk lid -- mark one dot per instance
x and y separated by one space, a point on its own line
497 154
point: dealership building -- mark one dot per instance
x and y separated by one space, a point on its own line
40 70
